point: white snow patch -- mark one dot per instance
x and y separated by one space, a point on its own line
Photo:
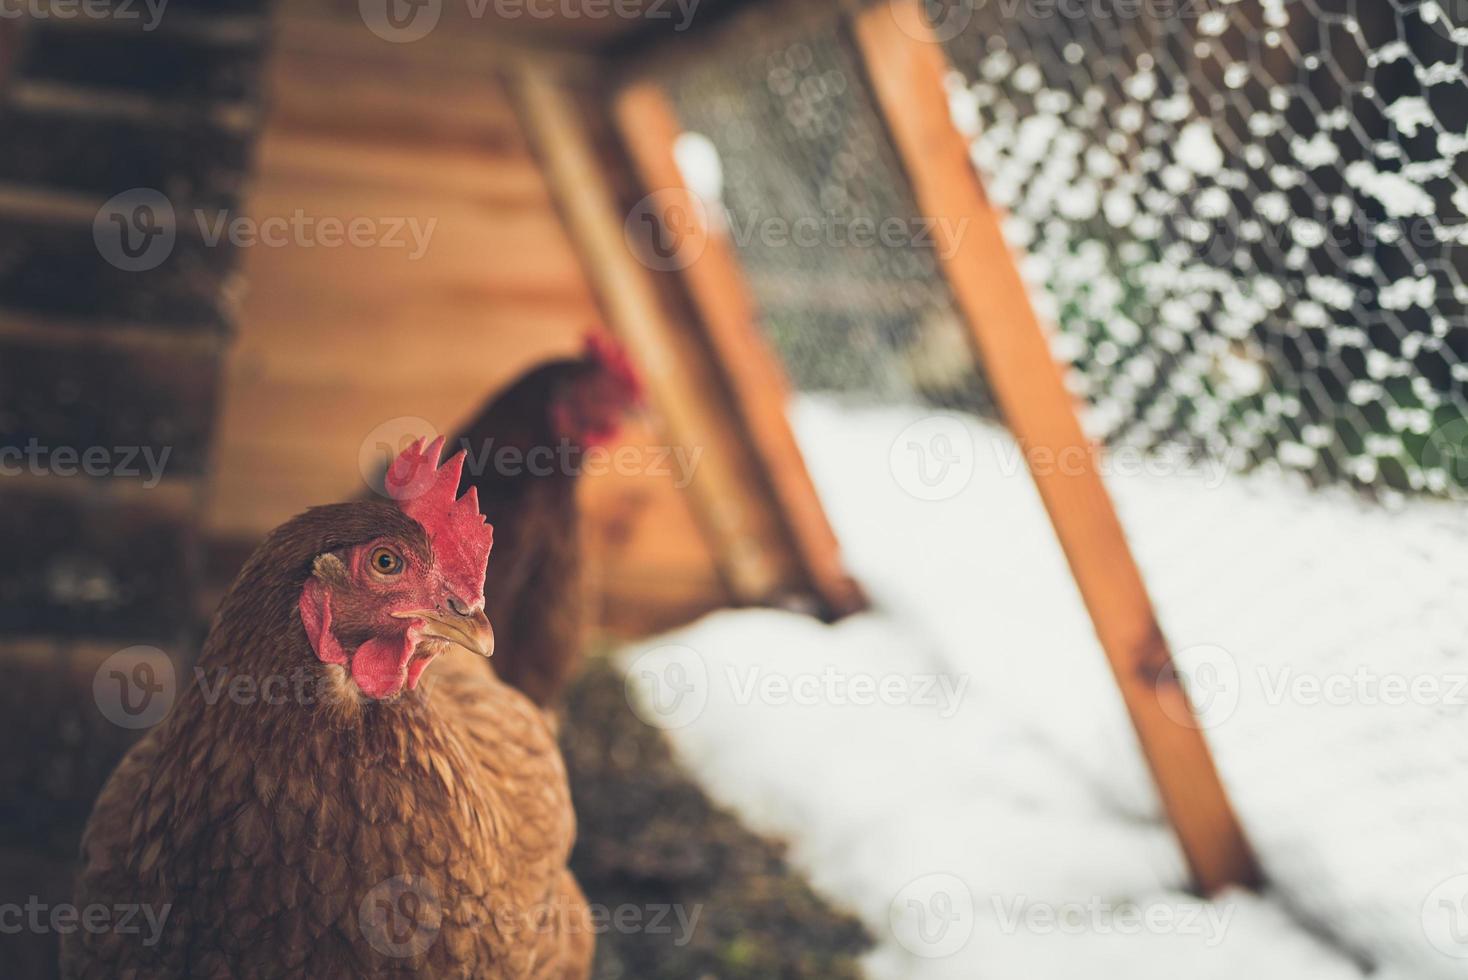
1331 291
1274 206
1406 293
1141 86
1318 151
1460 199
963 106
1391 52
1078 201
1399 196
1197 150
1033 139
1120 208
698 162
1022 797
1451 144
1410 113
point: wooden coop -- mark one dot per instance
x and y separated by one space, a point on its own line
542 146
528 141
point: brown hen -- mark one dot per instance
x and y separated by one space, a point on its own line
529 446
320 802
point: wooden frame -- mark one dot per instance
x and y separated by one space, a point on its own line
754 498
727 316
906 66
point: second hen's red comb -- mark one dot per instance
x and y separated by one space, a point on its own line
457 530
604 351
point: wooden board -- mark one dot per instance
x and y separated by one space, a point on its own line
332 342
741 517
906 66
727 318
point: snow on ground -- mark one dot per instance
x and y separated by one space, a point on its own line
956 765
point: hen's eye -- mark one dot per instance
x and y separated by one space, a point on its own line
385 561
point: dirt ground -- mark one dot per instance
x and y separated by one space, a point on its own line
650 837
686 893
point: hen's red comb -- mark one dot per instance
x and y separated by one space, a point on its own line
460 537
612 357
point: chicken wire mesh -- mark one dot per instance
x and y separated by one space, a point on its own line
783 139
1247 220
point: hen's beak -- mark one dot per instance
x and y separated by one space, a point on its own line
471 631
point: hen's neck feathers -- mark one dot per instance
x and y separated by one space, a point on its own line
520 418
259 643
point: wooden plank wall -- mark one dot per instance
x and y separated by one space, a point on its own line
101 117
333 343
105 363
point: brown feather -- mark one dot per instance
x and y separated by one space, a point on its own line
274 832
533 589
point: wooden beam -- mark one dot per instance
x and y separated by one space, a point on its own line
735 506
907 66
728 321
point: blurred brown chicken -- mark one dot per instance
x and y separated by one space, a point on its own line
321 802
527 450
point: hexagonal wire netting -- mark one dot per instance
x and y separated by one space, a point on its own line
782 132
1247 219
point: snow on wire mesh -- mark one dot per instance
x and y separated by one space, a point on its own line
791 153
1247 218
